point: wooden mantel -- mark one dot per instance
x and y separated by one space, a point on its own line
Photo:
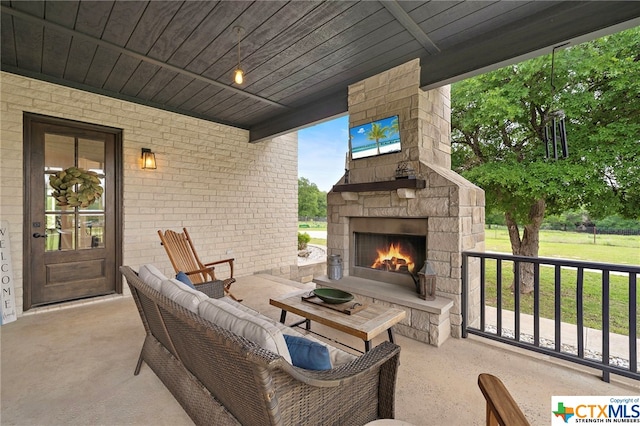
388 185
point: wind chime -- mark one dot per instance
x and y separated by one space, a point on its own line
555 132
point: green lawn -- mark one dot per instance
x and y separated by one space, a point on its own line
621 249
312 226
616 249
592 296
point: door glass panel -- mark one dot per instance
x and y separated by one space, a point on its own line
60 232
97 205
91 232
71 228
59 152
91 155
51 204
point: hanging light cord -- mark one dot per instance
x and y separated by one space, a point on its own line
239 49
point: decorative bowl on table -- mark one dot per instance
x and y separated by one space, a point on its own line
332 295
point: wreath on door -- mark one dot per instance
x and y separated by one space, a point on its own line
64 187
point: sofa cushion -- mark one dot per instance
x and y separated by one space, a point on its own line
184 278
151 276
251 327
241 306
336 355
307 354
182 294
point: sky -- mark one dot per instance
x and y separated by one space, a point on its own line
322 150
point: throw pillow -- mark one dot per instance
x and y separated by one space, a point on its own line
184 278
307 354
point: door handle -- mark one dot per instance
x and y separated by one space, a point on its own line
39 235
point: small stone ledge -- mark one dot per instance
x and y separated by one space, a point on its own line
349 196
406 193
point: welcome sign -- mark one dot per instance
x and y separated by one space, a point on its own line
8 299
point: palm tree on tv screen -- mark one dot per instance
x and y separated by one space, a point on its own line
376 133
394 127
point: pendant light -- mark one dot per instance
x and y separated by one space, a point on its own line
238 74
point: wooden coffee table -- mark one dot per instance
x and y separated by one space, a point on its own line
365 324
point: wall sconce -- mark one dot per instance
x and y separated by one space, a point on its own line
148 159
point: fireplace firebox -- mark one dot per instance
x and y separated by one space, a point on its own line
388 249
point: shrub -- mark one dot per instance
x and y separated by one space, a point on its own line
303 240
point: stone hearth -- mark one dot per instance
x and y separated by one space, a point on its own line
450 208
426 320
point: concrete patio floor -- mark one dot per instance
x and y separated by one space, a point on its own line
73 365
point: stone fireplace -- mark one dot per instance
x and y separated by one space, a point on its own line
432 215
387 249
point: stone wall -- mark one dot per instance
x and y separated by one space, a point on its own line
452 206
424 120
237 199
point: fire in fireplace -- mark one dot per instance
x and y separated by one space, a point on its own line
395 258
391 253
398 244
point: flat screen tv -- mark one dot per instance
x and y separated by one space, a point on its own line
375 138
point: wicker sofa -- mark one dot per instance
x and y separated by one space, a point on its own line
220 377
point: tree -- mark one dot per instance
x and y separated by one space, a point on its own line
311 201
376 133
498 137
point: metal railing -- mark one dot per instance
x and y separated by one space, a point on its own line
498 315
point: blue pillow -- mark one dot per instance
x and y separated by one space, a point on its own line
307 354
184 278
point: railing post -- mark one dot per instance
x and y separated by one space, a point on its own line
516 301
483 296
536 304
606 376
580 311
464 297
499 296
558 308
633 323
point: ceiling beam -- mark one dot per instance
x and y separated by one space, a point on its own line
330 106
73 33
394 8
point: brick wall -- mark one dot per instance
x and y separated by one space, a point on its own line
233 196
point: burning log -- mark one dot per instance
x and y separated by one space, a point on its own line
394 260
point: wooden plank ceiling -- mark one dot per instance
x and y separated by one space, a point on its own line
298 56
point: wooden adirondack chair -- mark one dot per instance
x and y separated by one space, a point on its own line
183 257
502 409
